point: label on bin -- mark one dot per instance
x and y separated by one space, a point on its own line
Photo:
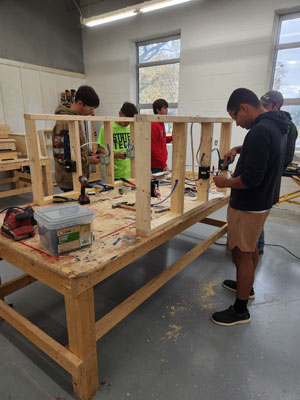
73 237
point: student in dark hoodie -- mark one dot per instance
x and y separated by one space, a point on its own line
86 101
273 101
255 187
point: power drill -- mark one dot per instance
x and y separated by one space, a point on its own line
83 198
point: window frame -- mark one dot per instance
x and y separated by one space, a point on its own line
289 101
152 64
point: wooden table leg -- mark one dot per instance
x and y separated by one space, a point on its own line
80 315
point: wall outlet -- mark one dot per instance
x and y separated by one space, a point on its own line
216 142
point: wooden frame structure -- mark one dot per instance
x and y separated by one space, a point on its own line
75 278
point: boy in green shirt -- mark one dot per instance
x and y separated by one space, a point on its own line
121 139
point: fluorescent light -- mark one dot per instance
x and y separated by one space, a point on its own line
161 4
109 17
127 12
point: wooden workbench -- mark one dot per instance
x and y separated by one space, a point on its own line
75 275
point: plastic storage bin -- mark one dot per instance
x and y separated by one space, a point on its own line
65 228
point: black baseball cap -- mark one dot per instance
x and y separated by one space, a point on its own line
272 97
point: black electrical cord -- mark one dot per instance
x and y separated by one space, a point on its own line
268 244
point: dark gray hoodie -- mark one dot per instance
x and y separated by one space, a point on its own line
260 165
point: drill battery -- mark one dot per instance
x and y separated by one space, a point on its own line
18 223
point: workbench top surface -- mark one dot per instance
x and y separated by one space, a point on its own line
109 224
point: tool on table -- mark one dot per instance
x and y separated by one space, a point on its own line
127 181
18 223
161 210
62 199
83 199
105 187
125 204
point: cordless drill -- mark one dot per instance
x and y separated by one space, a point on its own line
83 198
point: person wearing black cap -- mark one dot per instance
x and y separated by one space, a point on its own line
273 101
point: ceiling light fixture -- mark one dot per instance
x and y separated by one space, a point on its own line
108 17
160 4
127 12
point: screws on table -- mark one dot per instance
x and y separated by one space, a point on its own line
83 199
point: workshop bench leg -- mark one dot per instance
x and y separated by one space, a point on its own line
80 316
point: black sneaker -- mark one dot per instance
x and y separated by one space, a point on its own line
230 317
231 285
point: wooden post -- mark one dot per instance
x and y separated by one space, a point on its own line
205 156
225 141
95 176
143 176
132 143
178 166
80 315
108 140
75 153
225 138
34 160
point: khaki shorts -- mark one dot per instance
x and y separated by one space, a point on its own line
244 228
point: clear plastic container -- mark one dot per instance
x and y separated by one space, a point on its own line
65 228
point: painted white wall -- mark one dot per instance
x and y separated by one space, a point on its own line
225 44
26 88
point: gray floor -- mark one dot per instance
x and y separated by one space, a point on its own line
168 348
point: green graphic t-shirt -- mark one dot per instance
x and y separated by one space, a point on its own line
121 138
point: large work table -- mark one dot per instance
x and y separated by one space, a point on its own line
74 275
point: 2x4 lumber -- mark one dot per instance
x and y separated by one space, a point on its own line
34 161
173 119
109 143
80 315
178 166
56 117
132 302
19 163
205 157
75 153
53 349
143 177
15 192
132 143
10 179
213 222
96 176
47 180
49 199
13 285
225 138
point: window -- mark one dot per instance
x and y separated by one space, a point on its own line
158 73
287 67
